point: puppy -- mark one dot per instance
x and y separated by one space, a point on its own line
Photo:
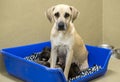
65 39
44 56
45 63
74 71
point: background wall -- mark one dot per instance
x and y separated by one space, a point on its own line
23 21
111 22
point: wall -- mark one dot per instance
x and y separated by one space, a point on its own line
23 21
111 22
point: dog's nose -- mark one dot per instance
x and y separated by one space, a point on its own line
61 26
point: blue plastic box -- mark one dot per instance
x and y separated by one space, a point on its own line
29 71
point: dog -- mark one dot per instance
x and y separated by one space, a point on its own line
44 56
74 71
65 39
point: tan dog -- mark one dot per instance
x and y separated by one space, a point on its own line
65 39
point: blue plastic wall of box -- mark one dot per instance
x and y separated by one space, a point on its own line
29 71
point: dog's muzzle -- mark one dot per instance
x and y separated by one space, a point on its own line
61 26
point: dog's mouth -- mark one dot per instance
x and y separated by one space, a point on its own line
61 26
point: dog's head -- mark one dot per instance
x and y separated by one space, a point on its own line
62 15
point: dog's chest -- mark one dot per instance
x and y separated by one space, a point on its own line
62 39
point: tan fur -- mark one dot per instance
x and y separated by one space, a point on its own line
76 50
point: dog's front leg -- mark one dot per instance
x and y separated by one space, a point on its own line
53 57
68 62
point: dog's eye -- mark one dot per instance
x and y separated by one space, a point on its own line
66 15
57 14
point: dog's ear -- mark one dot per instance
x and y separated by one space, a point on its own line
75 13
48 13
